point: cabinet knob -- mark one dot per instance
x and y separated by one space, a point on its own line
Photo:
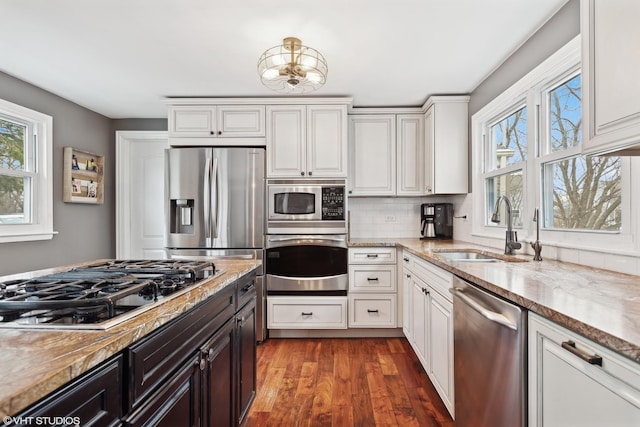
408 276
302 173
219 132
310 173
405 259
203 364
212 132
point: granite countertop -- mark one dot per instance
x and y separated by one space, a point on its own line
601 305
33 362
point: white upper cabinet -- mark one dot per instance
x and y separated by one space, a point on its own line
327 141
221 121
286 142
446 168
410 154
372 155
610 68
410 151
306 141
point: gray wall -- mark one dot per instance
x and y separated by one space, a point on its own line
554 34
139 124
85 232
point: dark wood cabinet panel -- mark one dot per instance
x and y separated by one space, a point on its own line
176 403
155 357
246 337
218 378
93 399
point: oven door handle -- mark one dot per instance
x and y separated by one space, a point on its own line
310 237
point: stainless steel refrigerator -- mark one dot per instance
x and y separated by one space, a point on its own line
214 201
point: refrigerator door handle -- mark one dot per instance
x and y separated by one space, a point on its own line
216 207
207 201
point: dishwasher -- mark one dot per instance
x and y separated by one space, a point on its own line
489 340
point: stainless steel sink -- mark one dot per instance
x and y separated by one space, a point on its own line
474 255
469 256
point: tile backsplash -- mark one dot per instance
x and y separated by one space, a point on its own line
393 217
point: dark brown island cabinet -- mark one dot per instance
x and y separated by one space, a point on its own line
197 370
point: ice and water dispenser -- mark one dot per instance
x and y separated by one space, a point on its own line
181 216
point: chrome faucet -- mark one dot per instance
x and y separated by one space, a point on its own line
511 239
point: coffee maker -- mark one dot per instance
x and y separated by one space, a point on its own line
427 221
436 221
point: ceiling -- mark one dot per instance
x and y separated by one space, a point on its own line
121 58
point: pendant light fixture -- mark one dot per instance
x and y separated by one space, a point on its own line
292 67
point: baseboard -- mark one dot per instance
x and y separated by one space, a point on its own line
336 333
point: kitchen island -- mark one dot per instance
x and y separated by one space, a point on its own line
35 362
599 304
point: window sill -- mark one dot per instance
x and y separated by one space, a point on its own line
27 237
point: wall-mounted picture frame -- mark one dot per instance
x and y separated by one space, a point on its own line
83 177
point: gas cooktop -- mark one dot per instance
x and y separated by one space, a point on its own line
97 296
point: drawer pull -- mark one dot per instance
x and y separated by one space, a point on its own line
372 255
570 346
372 279
405 259
307 314
371 311
248 287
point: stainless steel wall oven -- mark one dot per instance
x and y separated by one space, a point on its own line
306 246
307 264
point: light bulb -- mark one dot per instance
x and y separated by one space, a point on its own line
270 74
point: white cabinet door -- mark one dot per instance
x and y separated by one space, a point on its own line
441 347
286 136
241 121
327 141
567 390
419 320
407 315
410 154
446 156
372 155
192 121
610 70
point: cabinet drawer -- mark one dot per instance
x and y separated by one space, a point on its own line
372 311
372 255
307 312
439 279
372 278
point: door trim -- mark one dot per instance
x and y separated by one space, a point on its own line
124 139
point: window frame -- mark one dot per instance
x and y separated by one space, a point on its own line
534 87
41 135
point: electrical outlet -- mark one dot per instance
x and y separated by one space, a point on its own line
390 218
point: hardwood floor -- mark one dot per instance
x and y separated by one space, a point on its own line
343 382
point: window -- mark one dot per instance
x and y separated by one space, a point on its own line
505 163
25 169
527 146
579 192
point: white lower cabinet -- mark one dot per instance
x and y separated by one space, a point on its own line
575 382
292 312
372 311
428 321
372 287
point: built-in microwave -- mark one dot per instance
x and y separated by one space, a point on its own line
306 206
